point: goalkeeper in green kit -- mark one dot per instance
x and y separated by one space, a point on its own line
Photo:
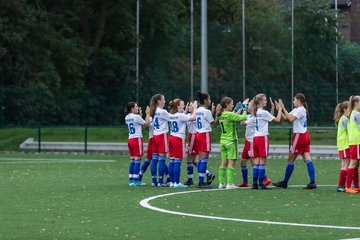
228 120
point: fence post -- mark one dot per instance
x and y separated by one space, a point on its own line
40 119
290 132
85 99
86 136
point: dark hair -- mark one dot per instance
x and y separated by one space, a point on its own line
257 99
154 102
352 101
201 97
129 106
173 105
339 111
224 103
302 99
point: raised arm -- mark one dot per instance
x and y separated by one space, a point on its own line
288 116
147 117
193 113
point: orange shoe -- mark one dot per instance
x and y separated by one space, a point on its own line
357 189
267 181
351 190
245 184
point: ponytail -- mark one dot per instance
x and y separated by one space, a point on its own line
339 111
202 97
302 99
173 105
352 101
256 101
153 103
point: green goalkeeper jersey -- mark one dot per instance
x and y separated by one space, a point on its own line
228 122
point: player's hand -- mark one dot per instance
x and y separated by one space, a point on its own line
212 108
140 111
187 107
195 105
218 110
271 102
147 111
246 101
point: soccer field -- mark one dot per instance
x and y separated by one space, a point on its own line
86 197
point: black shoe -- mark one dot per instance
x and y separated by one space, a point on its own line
281 184
210 178
189 183
263 187
310 186
255 187
203 185
167 180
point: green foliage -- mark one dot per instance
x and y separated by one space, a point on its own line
73 62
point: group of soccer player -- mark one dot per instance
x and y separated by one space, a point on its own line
347 120
199 117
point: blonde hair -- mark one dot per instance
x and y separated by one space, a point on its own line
154 103
339 111
352 101
256 101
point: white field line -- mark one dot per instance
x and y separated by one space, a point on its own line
145 203
52 160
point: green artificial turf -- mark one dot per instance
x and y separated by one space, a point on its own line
57 197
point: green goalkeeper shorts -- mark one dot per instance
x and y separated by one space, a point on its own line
229 151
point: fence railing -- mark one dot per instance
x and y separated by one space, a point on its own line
12 136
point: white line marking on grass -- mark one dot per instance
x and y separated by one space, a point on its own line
350 239
145 203
52 160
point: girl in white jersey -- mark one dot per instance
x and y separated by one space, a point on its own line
160 138
204 119
192 151
178 120
261 139
248 150
300 143
134 123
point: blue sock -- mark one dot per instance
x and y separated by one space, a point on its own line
311 170
166 173
131 170
144 167
289 170
137 169
190 171
255 174
171 170
153 168
245 172
262 169
202 165
177 171
161 169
